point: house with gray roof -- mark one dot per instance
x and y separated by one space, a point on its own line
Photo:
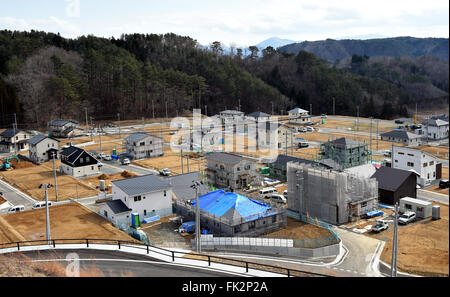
144 146
229 171
299 116
64 129
43 149
77 162
181 186
147 195
259 116
12 140
401 136
345 153
231 116
435 129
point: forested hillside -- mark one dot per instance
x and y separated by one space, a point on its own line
44 77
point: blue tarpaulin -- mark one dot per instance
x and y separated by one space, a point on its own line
220 202
189 226
152 219
375 213
385 206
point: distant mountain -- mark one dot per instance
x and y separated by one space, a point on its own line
364 37
274 42
332 50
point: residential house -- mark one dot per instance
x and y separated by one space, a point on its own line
181 186
64 129
285 136
436 129
399 136
299 116
260 116
13 140
77 162
43 149
427 166
278 168
394 184
231 116
345 152
147 195
143 146
226 170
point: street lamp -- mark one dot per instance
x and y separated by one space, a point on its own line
195 185
47 216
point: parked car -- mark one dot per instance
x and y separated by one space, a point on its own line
444 184
407 218
399 122
165 172
267 192
387 153
302 130
380 226
303 144
102 155
285 193
17 208
324 116
126 161
309 129
99 164
107 158
41 204
278 198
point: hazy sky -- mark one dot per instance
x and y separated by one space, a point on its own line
231 21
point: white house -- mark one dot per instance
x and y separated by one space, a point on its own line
146 195
42 148
423 209
404 137
436 129
426 165
231 116
299 116
64 128
143 146
260 116
12 140
78 163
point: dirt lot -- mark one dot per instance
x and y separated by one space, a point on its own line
95 180
438 151
423 246
299 230
29 179
363 126
436 189
171 161
66 222
2 200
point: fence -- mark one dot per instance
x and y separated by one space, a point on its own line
268 246
87 243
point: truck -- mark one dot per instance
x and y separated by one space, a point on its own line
380 226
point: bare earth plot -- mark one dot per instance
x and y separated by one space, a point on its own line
423 246
363 126
173 162
94 181
299 230
69 221
29 179
436 188
438 151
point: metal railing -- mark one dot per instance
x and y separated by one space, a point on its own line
173 254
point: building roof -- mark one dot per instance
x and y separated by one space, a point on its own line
390 179
181 185
38 138
345 142
137 136
442 117
298 110
225 158
10 132
61 123
282 160
73 153
232 206
416 201
365 170
435 123
258 114
117 206
400 134
142 184
233 112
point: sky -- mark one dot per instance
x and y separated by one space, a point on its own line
237 22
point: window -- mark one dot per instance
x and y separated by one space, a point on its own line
425 164
165 193
274 219
408 206
92 167
364 204
87 159
410 164
431 163
137 198
434 174
145 212
411 155
401 153
421 209
105 213
81 160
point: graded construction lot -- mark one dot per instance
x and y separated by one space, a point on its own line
299 230
346 123
173 162
438 151
423 246
94 181
29 179
435 188
68 221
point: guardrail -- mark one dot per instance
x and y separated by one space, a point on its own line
173 254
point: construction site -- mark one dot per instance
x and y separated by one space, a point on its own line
331 196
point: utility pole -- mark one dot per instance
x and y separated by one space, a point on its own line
87 122
188 161
370 143
100 137
395 244
357 118
334 106
286 143
292 144
206 110
54 171
14 138
311 110
378 121
182 165
167 115
153 108
272 107
195 185
118 116
239 104
47 215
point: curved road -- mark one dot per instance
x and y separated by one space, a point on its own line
116 264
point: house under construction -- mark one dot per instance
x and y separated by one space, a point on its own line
331 196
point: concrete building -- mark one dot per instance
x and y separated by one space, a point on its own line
423 209
78 163
12 140
278 168
146 195
404 137
64 129
144 146
299 116
435 129
228 171
116 212
231 116
231 214
328 195
345 152
42 148
424 164
394 184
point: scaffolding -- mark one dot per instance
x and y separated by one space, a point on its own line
331 196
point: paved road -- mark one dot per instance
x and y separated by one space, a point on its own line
431 196
13 197
113 263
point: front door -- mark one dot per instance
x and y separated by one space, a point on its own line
438 171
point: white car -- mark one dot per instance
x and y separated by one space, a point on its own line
126 161
165 172
407 218
99 164
41 204
278 198
310 129
107 158
17 208
102 155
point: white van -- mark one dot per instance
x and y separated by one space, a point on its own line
17 208
267 192
41 204
279 198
